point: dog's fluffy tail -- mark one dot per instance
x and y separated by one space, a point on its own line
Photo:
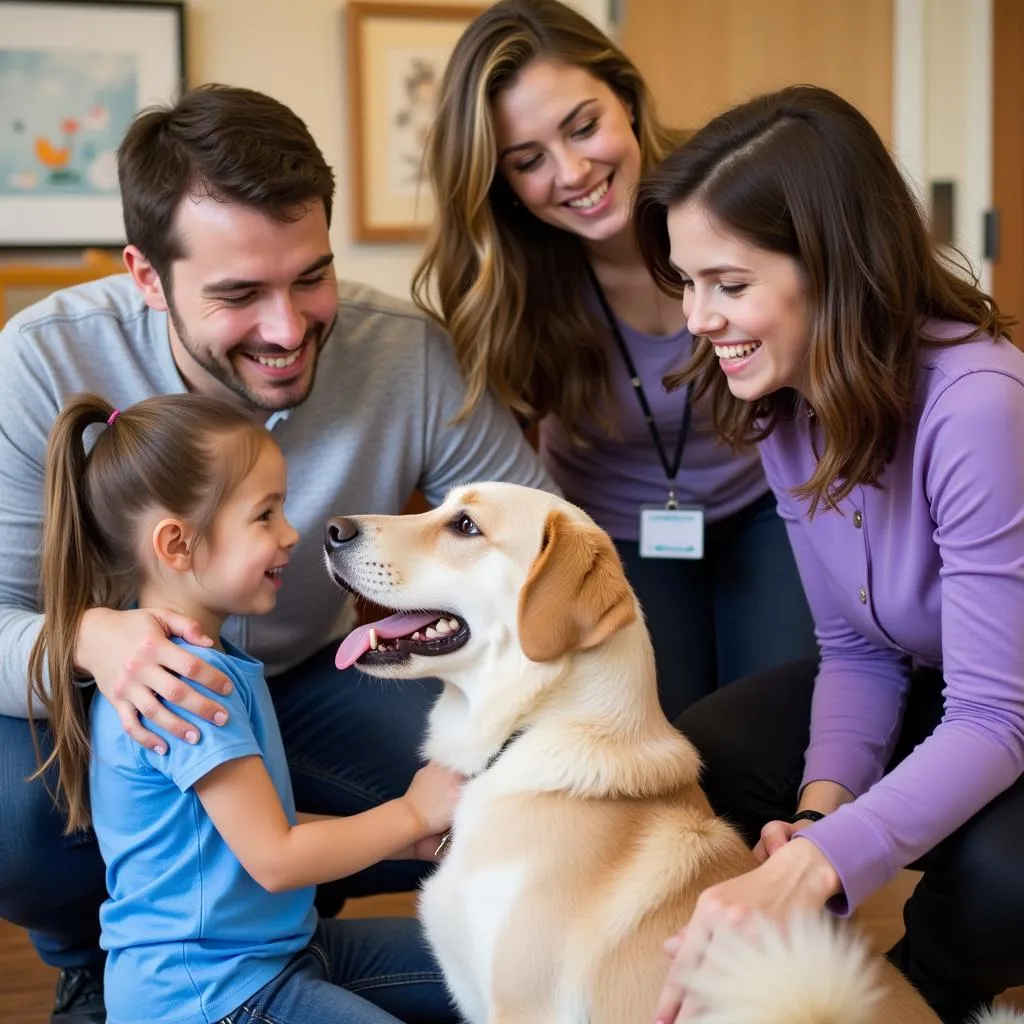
813 972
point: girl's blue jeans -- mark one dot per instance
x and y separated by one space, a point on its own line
374 971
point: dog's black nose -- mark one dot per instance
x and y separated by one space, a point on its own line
339 531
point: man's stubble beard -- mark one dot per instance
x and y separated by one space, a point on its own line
234 381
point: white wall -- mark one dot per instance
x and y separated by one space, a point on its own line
942 105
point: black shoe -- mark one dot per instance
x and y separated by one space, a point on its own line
79 997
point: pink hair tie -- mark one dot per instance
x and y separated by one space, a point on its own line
113 416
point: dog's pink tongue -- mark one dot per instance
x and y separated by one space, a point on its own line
357 643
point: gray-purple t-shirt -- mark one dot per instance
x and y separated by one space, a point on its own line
614 475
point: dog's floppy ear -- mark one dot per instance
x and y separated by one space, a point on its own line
576 594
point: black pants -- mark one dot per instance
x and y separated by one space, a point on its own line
737 611
964 941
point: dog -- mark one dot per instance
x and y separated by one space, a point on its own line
582 838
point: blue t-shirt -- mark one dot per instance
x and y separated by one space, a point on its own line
190 934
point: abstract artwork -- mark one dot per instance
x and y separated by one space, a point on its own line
73 74
64 114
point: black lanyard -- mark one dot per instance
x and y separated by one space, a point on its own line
671 469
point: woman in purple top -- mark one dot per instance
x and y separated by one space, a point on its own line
889 406
543 129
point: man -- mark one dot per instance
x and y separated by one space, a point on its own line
230 291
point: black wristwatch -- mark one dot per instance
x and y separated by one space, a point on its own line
806 816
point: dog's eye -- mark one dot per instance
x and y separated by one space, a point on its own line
464 525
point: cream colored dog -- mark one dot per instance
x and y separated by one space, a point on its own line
582 838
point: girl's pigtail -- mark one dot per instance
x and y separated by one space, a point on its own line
71 550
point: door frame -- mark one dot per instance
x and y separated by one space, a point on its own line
1008 156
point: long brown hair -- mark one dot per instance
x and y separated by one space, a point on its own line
235 145
802 172
511 289
180 453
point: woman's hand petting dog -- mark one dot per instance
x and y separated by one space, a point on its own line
774 837
791 877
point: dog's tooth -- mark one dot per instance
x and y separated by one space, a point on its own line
454 624
442 627
432 633
417 635
373 639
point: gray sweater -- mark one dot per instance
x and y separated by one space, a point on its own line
376 426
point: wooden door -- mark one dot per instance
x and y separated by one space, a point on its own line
1008 157
702 56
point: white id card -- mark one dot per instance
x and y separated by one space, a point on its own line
671 532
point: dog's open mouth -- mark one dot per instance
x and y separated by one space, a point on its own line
399 636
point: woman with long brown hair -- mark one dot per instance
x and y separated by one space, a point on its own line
888 403
543 130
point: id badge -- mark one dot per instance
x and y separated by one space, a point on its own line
671 532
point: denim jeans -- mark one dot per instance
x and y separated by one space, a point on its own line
352 743
355 972
737 611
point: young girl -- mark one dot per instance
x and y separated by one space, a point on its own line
543 129
179 504
889 403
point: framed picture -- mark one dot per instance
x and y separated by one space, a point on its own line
397 54
73 74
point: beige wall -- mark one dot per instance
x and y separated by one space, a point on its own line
295 51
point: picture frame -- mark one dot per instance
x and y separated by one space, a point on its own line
397 53
73 74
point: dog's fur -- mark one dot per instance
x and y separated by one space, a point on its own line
580 845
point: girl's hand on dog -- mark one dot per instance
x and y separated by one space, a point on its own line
433 794
797 876
427 848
